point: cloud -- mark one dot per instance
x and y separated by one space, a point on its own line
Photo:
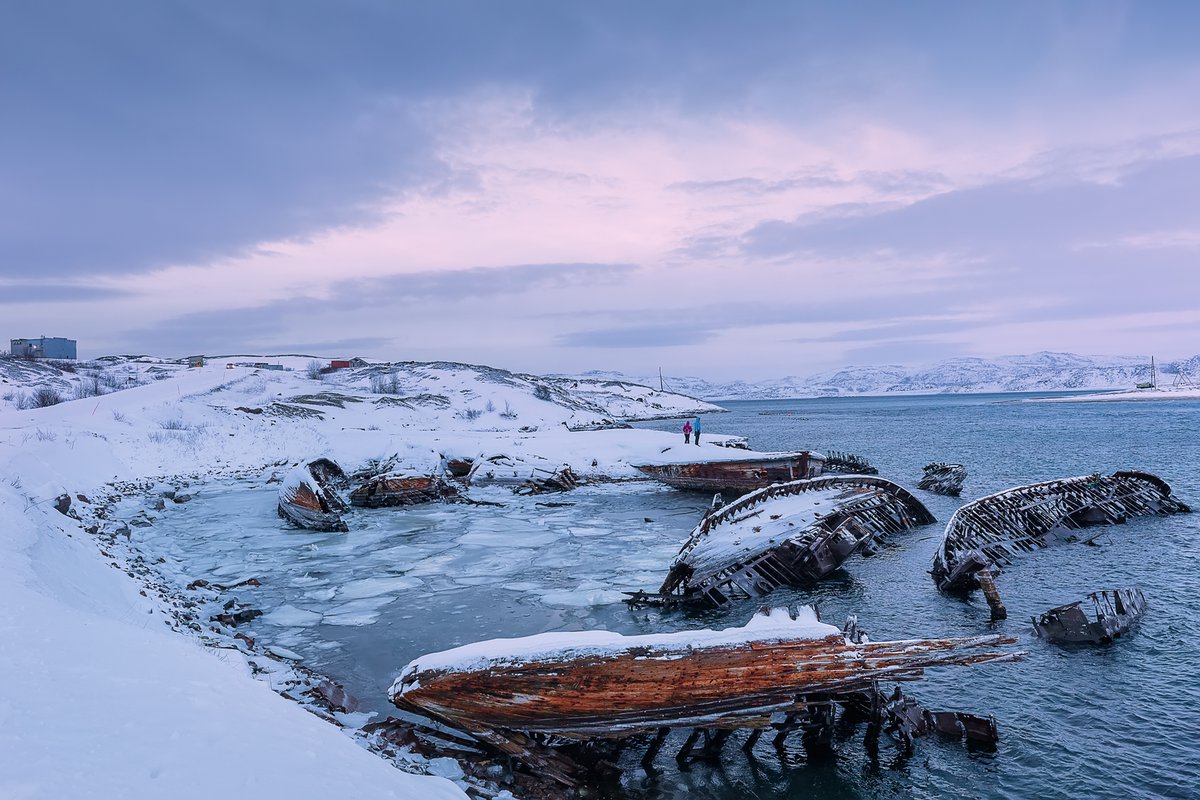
12 293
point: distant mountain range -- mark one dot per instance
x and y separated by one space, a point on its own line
1039 372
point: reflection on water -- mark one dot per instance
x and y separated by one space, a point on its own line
1117 720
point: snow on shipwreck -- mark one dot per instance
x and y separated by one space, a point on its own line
787 534
779 668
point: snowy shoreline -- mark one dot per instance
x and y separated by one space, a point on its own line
92 624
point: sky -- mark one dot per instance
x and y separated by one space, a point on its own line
727 190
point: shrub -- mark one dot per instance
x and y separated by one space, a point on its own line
470 413
508 412
314 370
173 425
45 397
490 407
385 384
118 416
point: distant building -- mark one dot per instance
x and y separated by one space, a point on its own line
44 347
195 361
339 364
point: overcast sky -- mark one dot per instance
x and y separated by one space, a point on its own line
722 189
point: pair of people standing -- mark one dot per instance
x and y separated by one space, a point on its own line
689 429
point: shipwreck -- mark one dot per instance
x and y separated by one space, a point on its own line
788 534
385 491
783 672
307 497
942 478
987 534
736 476
1113 613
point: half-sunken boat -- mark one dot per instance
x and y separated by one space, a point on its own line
1113 613
848 464
985 534
740 475
942 478
307 497
385 491
600 685
791 533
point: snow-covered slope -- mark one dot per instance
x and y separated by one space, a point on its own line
1026 373
109 695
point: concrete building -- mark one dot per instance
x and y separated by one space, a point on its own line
44 347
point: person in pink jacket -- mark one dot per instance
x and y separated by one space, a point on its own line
687 432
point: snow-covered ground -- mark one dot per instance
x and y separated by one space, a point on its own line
1180 393
109 693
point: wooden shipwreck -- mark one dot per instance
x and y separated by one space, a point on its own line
736 476
1113 613
942 478
791 533
990 532
781 671
848 464
402 490
307 497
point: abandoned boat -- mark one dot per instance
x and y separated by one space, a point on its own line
401 490
791 533
595 685
737 476
942 478
307 498
848 464
1114 612
991 531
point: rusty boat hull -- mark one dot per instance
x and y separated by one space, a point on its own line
639 684
737 476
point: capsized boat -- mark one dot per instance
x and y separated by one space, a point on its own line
737 475
791 533
1113 613
307 498
598 684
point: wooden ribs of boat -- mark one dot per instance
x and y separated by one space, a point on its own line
942 478
308 500
791 533
597 684
1114 612
737 475
993 530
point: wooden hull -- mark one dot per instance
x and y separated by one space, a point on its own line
1115 612
307 498
389 491
736 476
638 688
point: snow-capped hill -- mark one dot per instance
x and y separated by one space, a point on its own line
1042 371
633 401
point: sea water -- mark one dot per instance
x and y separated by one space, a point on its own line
1117 720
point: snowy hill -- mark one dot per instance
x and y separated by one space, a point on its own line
1042 371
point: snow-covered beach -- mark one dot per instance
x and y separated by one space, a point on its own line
111 671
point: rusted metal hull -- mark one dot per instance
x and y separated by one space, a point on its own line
743 475
941 478
389 491
792 533
307 498
642 689
1114 612
992 531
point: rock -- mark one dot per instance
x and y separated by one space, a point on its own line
159 504
62 504
199 583
244 638
182 498
141 521
82 498
122 530
335 696
167 493
247 410
235 618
